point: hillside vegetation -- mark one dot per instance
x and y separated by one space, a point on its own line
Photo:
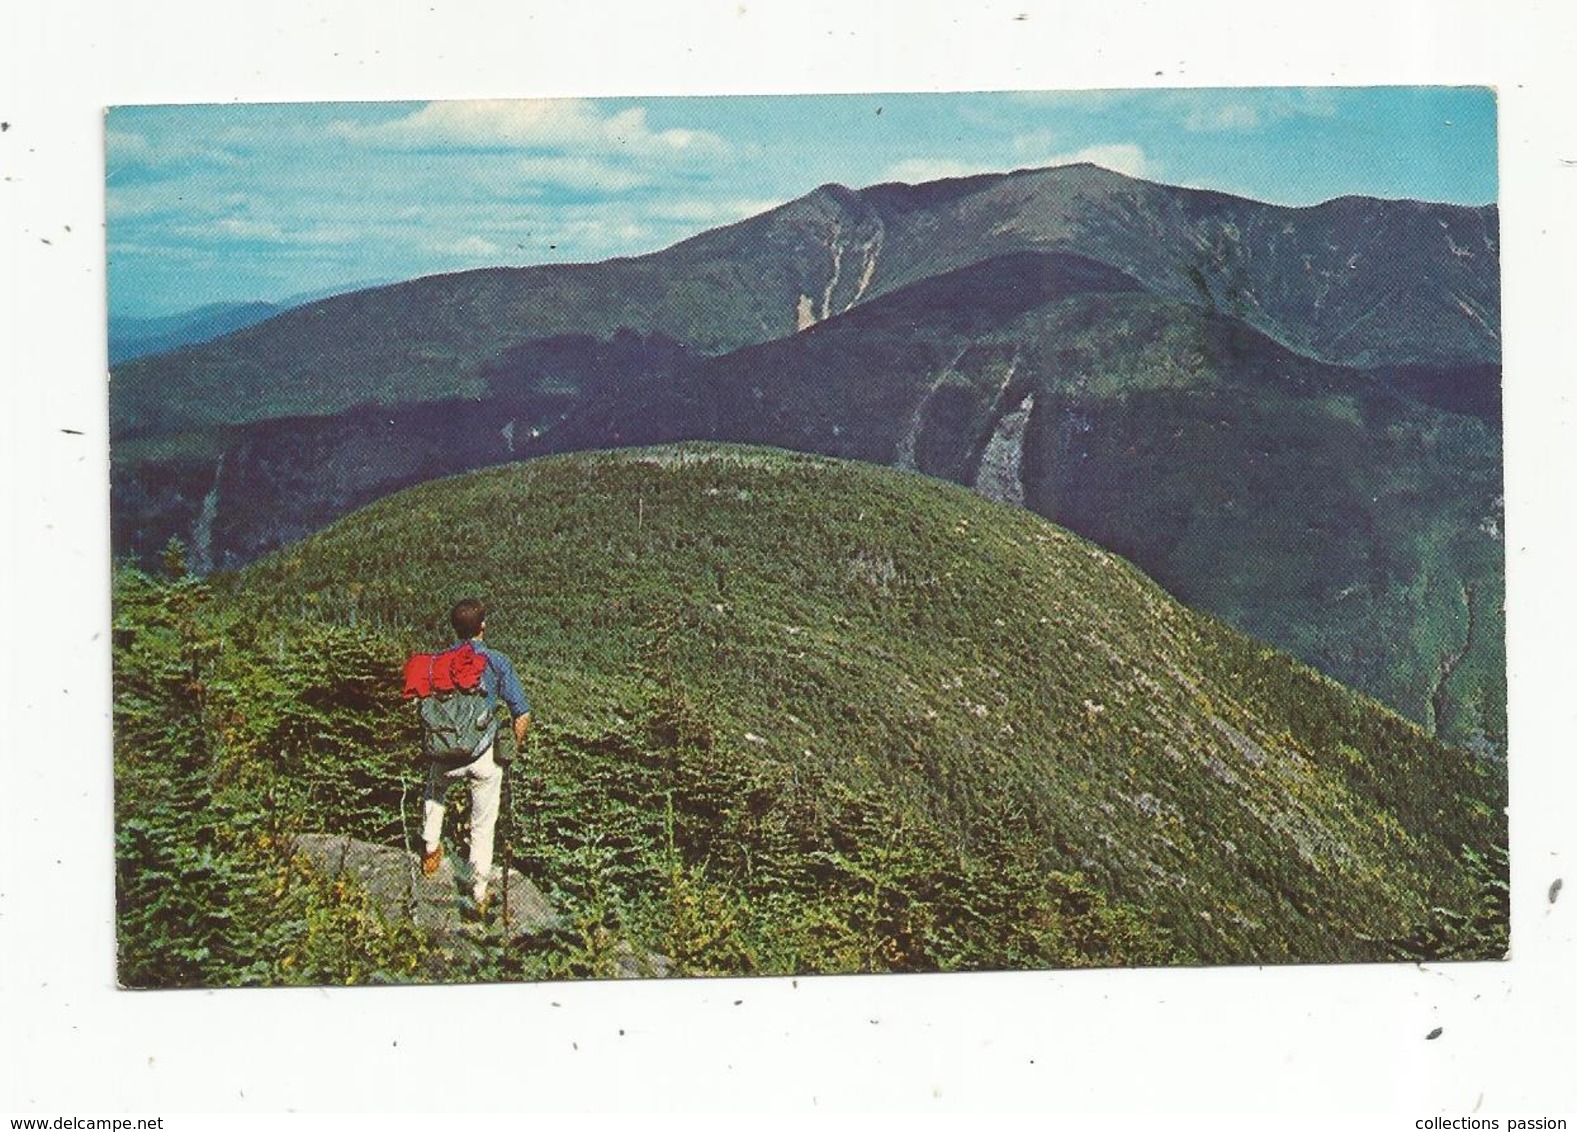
794 715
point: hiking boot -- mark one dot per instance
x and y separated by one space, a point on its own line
431 861
475 911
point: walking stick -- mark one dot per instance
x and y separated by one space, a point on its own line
504 945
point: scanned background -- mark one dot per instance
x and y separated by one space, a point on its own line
1156 1040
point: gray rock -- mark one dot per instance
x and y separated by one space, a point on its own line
440 904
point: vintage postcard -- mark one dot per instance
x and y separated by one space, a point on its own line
806 534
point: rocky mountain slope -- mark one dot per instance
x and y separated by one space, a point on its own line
1318 507
1358 281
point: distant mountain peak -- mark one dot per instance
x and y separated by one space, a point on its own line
835 191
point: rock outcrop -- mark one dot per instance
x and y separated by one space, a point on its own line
440 905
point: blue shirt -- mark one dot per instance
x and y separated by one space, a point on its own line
499 679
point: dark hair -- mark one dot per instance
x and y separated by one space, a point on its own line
467 617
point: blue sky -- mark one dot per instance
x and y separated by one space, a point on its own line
236 202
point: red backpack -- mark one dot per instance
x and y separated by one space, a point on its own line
457 716
438 673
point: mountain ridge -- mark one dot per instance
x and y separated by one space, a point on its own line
752 280
1173 421
1179 437
832 622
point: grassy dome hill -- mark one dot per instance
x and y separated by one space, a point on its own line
867 719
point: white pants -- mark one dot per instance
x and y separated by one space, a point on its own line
486 779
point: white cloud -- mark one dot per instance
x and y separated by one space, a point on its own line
616 232
561 125
918 169
164 250
1319 103
222 230
129 202
1233 116
700 210
245 229
1204 111
126 148
579 172
328 235
1119 157
1037 141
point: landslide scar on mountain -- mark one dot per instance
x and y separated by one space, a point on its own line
1001 474
804 313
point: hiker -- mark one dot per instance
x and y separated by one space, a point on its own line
483 773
